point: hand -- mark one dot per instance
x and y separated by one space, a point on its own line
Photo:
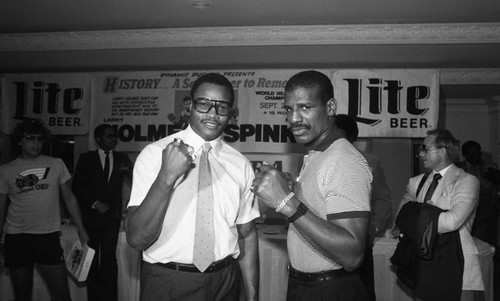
270 185
84 237
101 207
290 179
392 233
2 252
177 159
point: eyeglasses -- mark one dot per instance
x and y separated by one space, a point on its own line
422 148
31 138
204 105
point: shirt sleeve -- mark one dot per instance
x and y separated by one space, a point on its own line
146 169
464 200
347 188
249 206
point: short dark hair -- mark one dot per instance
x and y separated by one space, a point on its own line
30 126
100 129
470 145
312 79
213 78
349 125
445 138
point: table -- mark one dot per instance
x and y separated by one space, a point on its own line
40 292
274 261
273 270
388 288
129 270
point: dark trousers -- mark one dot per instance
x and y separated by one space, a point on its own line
366 271
161 283
103 275
345 288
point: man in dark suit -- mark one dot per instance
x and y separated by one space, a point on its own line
97 183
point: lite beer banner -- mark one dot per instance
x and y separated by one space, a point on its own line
60 100
146 106
389 103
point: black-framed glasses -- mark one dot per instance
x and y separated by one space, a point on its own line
32 138
204 105
422 148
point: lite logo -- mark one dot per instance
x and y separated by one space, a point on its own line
41 98
385 96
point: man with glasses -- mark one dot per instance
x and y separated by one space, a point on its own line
97 184
30 189
456 194
191 210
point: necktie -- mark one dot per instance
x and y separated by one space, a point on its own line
106 166
203 253
432 187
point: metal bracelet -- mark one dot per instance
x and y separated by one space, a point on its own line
284 201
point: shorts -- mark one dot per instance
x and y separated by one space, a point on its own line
23 250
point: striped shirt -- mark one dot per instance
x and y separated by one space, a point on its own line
333 184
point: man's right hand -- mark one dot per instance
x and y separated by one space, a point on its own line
176 160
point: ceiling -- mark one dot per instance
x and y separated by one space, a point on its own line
68 15
96 35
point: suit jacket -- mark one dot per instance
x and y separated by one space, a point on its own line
429 263
457 194
90 185
380 200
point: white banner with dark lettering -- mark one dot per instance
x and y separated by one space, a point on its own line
146 106
61 101
389 103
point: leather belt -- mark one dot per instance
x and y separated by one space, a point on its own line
217 265
317 277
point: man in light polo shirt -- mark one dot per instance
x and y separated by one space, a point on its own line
329 206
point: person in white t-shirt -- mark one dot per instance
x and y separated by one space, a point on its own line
30 186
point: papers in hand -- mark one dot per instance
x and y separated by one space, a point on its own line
79 260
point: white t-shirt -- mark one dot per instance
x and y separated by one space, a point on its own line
33 187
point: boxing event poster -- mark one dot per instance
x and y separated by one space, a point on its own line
146 106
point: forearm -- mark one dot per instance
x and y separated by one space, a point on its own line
74 212
144 223
72 207
454 218
249 264
332 239
464 200
3 212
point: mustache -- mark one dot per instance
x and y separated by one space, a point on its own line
213 120
298 126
